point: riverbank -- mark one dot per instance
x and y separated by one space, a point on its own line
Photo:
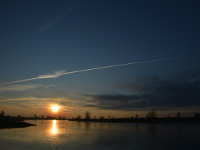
143 120
7 124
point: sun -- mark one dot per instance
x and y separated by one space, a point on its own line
55 108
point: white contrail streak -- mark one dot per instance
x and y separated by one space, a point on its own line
61 73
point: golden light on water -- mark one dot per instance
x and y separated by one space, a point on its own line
54 129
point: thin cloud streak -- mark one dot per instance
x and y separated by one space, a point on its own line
2 97
55 75
61 73
22 87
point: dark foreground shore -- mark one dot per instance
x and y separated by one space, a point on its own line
4 124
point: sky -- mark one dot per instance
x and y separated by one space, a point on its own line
108 57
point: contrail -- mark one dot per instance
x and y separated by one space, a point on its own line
61 73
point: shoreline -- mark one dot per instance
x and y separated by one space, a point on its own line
142 120
14 124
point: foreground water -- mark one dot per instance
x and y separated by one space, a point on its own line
63 134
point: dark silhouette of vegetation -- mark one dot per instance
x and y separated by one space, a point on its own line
136 116
18 121
151 117
42 117
102 117
197 115
178 114
151 114
12 122
79 117
87 115
2 113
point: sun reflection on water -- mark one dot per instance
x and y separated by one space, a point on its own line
54 129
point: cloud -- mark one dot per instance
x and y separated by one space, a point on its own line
2 97
118 102
151 92
55 75
31 101
148 92
35 99
22 87
47 76
61 73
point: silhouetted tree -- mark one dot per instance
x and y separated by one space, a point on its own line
101 117
178 114
42 116
151 114
79 117
87 115
197 115
136 116
2 114
35 116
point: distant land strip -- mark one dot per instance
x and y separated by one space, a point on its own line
144 120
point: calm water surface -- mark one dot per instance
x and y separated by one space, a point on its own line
63 134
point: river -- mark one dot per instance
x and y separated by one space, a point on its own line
72 135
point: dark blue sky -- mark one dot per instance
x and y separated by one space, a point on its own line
51 37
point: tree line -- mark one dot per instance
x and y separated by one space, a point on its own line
150 115
19 117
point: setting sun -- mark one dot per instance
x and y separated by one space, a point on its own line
55 108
